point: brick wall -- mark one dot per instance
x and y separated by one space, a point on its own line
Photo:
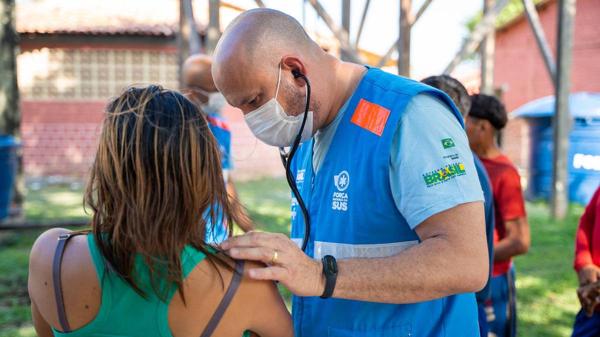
60 138
520 70
63 95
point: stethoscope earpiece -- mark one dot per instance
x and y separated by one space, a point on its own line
297 73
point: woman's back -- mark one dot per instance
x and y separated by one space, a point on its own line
155 186
100 303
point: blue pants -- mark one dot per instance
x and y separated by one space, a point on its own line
586 326
502 307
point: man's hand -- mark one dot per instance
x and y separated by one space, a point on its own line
589 297
286 263
588 274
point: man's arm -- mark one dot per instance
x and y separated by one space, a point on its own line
516 242
451 259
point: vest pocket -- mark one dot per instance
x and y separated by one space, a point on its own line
403 330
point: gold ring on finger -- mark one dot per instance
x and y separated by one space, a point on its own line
274 258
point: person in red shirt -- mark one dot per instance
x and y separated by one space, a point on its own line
486 118
587 263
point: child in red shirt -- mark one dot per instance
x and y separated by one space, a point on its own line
509 206
486 118
587 262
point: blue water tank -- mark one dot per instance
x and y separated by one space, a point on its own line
8 171
584 146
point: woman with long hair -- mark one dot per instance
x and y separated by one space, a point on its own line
144 268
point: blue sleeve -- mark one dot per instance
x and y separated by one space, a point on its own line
431 164
488 197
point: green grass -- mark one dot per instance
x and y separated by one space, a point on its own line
49 204
55 203
546 282
267 201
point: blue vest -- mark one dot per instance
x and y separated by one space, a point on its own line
353 215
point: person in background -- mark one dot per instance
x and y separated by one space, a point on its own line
145 268
587 264
461 98
486 118
200 89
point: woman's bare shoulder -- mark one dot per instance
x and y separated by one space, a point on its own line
79 280
256 305
43 249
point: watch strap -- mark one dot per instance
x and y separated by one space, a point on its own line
330 272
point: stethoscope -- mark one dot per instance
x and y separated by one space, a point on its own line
286 159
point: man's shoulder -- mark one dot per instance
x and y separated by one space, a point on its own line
431 114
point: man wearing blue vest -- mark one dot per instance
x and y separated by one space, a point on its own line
396 244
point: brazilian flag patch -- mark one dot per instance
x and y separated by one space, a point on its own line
447 143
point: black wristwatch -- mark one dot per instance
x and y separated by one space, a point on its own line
330 271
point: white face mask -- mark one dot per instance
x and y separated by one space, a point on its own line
272 125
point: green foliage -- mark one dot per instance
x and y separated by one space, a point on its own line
513 9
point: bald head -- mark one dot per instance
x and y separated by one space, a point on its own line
197 73
253 47
262 35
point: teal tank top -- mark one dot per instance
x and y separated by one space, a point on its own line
123 311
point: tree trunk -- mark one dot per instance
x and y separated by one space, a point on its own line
9 93
183 41
404 38
10 116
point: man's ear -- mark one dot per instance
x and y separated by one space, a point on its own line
295 66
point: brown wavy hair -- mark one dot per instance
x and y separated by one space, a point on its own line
155 183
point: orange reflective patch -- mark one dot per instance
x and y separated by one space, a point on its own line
370 116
